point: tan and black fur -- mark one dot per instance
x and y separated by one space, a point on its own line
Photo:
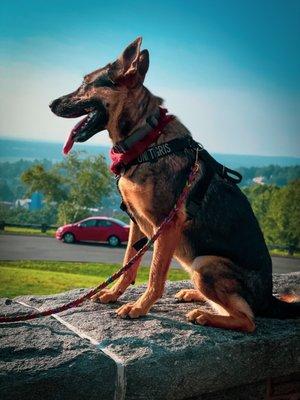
222 248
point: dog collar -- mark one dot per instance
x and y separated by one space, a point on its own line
139 134
126 151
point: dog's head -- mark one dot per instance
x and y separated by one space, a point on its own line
103 93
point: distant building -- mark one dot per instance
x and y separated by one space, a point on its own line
23 203
259 180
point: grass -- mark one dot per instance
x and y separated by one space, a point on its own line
48 277
28 231
284 253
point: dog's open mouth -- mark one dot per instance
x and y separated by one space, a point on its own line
84 129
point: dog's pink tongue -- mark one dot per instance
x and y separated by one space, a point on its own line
70 141
68 144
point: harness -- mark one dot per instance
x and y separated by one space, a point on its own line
175 146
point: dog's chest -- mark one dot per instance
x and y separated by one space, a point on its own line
141 202
137 197
150 192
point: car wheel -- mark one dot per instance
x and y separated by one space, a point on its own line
69 237
114 241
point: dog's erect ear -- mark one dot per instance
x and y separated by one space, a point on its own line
130 58
143 63
133 64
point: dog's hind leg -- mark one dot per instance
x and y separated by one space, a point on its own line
217 279
189 295
112 294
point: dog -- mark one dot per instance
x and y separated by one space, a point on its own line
221 245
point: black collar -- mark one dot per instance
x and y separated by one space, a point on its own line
151 122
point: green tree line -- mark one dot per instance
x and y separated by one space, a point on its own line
73 186
272 174
278 212
12 187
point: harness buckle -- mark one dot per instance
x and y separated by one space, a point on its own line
232 176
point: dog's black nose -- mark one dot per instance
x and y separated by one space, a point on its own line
53 104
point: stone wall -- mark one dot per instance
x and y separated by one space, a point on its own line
89 353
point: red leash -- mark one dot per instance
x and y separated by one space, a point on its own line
116 275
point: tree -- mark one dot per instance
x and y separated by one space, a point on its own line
284 216
5 193
75 184
278 212
50 183
11 173
259 197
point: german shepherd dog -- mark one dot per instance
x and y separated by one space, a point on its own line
222 246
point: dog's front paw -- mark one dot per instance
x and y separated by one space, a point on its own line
198 316
105 296
131 310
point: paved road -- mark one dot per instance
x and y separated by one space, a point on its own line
17 247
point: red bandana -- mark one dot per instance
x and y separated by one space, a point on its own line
119 160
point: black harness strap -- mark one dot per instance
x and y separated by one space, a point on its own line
152 154
140 243
228 174
211 167
197 193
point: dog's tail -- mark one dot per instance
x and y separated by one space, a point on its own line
287 306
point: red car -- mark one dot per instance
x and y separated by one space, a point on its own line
95 229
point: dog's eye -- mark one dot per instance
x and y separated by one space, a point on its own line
104 81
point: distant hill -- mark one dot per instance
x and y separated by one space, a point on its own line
247 161
14 150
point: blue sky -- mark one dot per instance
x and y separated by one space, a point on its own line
228 69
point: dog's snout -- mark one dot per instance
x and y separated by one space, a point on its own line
53 104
